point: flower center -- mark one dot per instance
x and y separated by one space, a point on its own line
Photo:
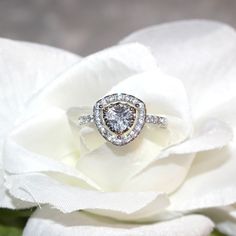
119 117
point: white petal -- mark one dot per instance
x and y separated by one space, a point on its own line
51 222
48 134
224 219
4 198
8 201
42 189
175 162
164 175
201 53
134 171
114 168
225 112
161 93
85 83
18 160
31 148
130 169
110 166
25 69
211 134
210 183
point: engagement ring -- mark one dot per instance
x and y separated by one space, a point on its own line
118 117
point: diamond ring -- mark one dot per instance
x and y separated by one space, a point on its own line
118 117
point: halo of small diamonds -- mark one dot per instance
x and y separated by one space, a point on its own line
119 117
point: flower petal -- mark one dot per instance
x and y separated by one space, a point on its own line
210 183
143 165
201 53
38 189
111 166
225 112
4 198
25 69
164 175
22 75
209 135
85 83
44 144
48 134
51 222
169 169
161 93
224 218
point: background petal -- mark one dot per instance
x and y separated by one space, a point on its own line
51 222
38 189
85 83
25 69
208 135
162 94
201 53
210 183
224 218
48 134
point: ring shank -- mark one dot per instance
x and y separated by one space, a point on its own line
161 121
80 116
151 119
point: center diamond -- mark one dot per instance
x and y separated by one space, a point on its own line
119 117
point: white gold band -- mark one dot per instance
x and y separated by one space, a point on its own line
161 121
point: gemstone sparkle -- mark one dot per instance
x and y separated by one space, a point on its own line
119 117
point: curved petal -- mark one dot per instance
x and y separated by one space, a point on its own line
51 222
4 198
48 134
210 183
44 144
38 189
162 94
209 135
144 165
201 53
25 69
224 219
111 166
225 112
164 175
85 83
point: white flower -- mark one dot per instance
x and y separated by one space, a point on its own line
187 73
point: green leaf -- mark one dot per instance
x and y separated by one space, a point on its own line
216 233
10 231
12 222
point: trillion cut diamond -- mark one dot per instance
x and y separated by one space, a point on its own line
119 117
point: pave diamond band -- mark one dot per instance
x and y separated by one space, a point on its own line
152 119
118 117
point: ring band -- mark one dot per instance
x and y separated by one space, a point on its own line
119 118
152 119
